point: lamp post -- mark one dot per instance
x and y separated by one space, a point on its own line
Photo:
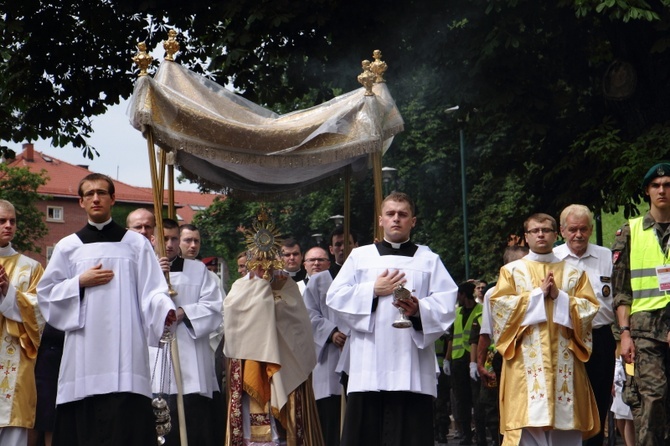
338 220
463 195
318 238
389 176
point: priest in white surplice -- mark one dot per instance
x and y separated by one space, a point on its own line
104 288
392 371
198 302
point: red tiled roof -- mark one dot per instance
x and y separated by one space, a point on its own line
64 179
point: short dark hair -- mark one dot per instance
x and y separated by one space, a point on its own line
467 288
96 177
540 217
399 197
514 252
339 230
187 227
169 223
290 243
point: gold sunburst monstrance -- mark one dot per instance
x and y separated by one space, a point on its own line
263 243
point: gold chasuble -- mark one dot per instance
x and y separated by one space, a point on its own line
271 350
544 382
20 340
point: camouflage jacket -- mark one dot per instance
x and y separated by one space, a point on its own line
644 324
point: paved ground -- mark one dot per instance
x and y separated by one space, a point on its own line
454 441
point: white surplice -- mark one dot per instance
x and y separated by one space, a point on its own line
199 295
107 327
383 357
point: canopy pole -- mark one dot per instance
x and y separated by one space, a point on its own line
157 189
347 212
377 180
172 212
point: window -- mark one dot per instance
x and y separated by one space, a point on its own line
54 213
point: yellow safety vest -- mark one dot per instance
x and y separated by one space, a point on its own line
461 342
645 256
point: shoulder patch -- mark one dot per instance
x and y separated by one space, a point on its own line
618 232
615 256
606 290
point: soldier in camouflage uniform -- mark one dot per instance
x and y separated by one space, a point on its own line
640 253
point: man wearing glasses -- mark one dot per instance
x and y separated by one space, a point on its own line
104 288
316 260
542 311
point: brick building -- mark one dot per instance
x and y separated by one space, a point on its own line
62 212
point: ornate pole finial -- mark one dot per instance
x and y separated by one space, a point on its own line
378 67
171 45
142 58
367 78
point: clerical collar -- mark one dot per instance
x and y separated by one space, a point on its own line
101 232
395 245
6 251
544 258
99 226
292 273
386 248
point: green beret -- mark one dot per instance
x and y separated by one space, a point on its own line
659 170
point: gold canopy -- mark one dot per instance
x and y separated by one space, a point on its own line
228 143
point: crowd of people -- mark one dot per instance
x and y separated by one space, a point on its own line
122 339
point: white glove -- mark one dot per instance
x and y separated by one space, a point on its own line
446 367
474 374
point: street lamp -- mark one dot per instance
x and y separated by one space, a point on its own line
389 175
463 199
337 219
318 238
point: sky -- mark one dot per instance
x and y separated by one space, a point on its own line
123 150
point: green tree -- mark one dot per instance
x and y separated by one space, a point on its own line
532 81
18 185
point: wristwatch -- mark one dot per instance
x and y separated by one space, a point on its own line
624 328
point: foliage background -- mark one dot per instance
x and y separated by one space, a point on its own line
529 79
18 185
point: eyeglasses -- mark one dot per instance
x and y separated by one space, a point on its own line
89 194
316 260
290 254
536 231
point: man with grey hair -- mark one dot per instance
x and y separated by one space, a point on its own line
20 323
596 261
